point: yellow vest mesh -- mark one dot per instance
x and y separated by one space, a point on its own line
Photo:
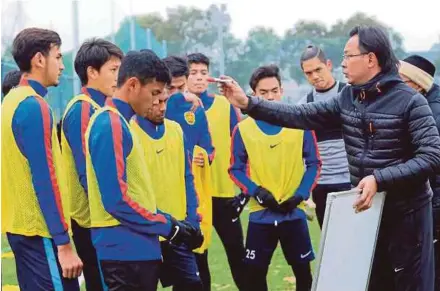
21 212
203 185
139 182
219 115
78 200
165 160
275 161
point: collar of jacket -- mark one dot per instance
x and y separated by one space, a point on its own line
377 86
434 93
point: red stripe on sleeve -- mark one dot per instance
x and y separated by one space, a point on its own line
47 132
236 181
116 125
85 118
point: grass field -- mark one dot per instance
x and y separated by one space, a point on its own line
280 276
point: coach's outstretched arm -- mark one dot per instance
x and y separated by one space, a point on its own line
317 115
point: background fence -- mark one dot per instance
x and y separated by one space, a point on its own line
126 33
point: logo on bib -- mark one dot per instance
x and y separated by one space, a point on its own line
190 118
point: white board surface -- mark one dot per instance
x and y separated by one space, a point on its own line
348 241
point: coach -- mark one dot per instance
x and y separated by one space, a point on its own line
392 145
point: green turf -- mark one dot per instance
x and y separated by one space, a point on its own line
279 277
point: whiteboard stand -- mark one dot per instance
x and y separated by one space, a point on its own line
348 242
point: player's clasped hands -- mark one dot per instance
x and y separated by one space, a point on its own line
266 199
182 232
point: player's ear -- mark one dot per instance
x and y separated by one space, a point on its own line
253 93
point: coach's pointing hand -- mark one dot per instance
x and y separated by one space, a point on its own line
234 93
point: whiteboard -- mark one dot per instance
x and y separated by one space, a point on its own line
348 241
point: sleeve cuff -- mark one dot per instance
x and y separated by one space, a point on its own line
251 104
166 229
379 181
61 239
194 221
302 196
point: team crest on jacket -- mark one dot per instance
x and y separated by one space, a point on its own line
190 118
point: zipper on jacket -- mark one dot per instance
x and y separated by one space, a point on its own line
366 136
371 134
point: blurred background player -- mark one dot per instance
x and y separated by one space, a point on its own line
96 64
196 130
418 73
278 167
222 118
124 218
34 192
11 80
168 162
334 176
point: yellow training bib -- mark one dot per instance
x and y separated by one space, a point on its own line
275 161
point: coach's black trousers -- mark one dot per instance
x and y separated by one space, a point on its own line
231 235
404 258
437 247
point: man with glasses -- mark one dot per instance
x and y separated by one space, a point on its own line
392 145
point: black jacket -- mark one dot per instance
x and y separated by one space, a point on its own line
433 97
388 129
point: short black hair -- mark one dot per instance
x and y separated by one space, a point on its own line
198 58
373 39
94 53
271 71
11 80
145 65
311 52
178 66
31 41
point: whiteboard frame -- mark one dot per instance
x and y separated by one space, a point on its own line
328 211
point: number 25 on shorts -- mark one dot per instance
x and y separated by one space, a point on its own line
250 254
